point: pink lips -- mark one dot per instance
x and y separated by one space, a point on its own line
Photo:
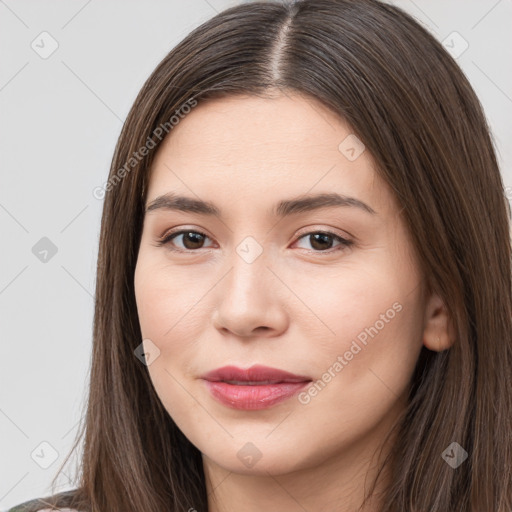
257 387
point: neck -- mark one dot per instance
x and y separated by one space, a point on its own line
338 484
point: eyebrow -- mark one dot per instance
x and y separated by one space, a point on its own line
171 201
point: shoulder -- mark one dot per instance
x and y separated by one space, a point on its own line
31 505
35 506
46 504
38 506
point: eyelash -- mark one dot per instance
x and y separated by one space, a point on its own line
166 239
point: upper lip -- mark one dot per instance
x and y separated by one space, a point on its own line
255 373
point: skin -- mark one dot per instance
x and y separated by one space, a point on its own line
296 307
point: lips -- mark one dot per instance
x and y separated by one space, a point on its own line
257 387
255 375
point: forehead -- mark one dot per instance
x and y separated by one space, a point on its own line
264 147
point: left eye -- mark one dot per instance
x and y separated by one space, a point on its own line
320 240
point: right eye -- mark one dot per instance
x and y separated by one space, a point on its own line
190 238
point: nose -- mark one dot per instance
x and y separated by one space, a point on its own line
250 301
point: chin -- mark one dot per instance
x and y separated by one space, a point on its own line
277 463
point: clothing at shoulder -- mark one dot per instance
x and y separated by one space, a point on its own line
37 506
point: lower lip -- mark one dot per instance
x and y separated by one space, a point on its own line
253 397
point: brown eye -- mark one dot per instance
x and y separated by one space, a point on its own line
321 241
190 239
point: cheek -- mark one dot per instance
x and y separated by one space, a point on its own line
367 364
168 303
348 303
370 315
168 310
173 314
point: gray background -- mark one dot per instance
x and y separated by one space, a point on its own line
60 118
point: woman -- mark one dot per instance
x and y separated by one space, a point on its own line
304 281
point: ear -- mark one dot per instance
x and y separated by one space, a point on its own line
439 333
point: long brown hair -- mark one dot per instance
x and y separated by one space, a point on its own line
408 101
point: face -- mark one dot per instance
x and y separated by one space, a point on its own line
328 291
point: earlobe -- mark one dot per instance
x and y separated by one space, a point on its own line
438 333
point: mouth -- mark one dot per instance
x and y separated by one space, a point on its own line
252 383
254 388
